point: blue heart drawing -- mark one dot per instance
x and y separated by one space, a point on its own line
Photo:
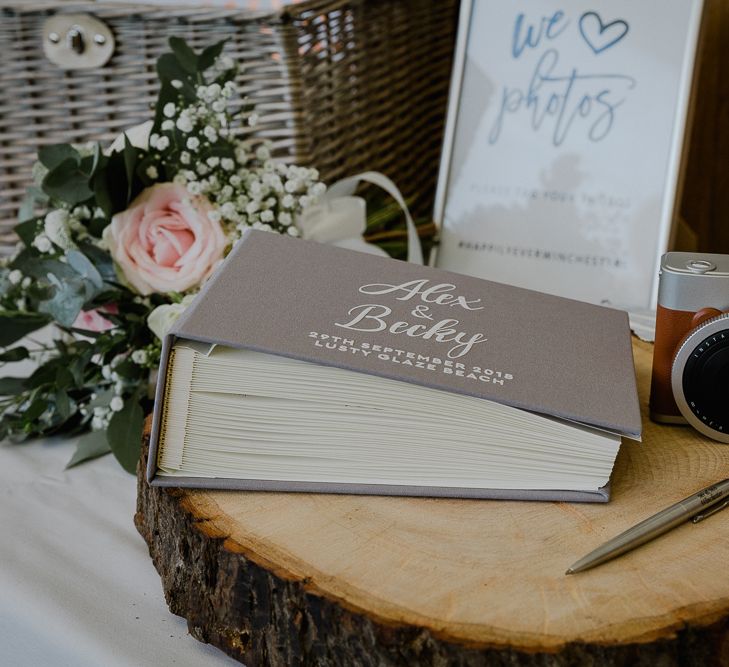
601 36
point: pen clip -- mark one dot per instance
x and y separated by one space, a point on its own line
711 510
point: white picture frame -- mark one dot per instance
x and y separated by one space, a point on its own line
608 254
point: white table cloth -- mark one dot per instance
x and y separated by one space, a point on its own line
77 585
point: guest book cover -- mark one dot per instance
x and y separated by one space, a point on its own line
562 158
375 315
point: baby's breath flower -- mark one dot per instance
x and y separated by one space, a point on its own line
116 404
185 157
25 284
213 161
176 83
193 143
210 133
228 209
152 172
284 218
241 155
42 243
139 357
15 277
214 216
163 143
253 119
168 125
317 189
262 152
293 231
288 201
184 123
227 164
82 212
194 188
169 110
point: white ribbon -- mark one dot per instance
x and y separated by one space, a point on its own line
340 217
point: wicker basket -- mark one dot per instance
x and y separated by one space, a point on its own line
343 85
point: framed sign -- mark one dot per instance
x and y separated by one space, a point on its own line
562 156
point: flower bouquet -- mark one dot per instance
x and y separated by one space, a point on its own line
125 239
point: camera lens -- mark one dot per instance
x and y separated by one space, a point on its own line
700 378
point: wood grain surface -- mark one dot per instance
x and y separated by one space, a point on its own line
376 580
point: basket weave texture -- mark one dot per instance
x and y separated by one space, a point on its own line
340 85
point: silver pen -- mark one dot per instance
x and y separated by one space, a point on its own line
697 507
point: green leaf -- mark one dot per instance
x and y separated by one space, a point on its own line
27 231
184 54
13 326
36 409
68 182
130 162
209 55
169 69
89 446
100 185
84 267
52 156
63 405
10 386
64 378
125 434
16 354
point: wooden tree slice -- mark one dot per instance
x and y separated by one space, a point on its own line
297 579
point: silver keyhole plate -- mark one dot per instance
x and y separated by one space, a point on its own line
77 41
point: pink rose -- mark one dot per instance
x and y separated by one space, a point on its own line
93 320
165 241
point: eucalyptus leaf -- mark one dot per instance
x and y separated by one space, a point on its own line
101 260
184 54
16 354
13 326
33 196
65 305
52 156
89 446
125 434
11 386
84 267
68 182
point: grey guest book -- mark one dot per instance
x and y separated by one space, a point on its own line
306 367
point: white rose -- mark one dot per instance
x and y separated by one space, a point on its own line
161 319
